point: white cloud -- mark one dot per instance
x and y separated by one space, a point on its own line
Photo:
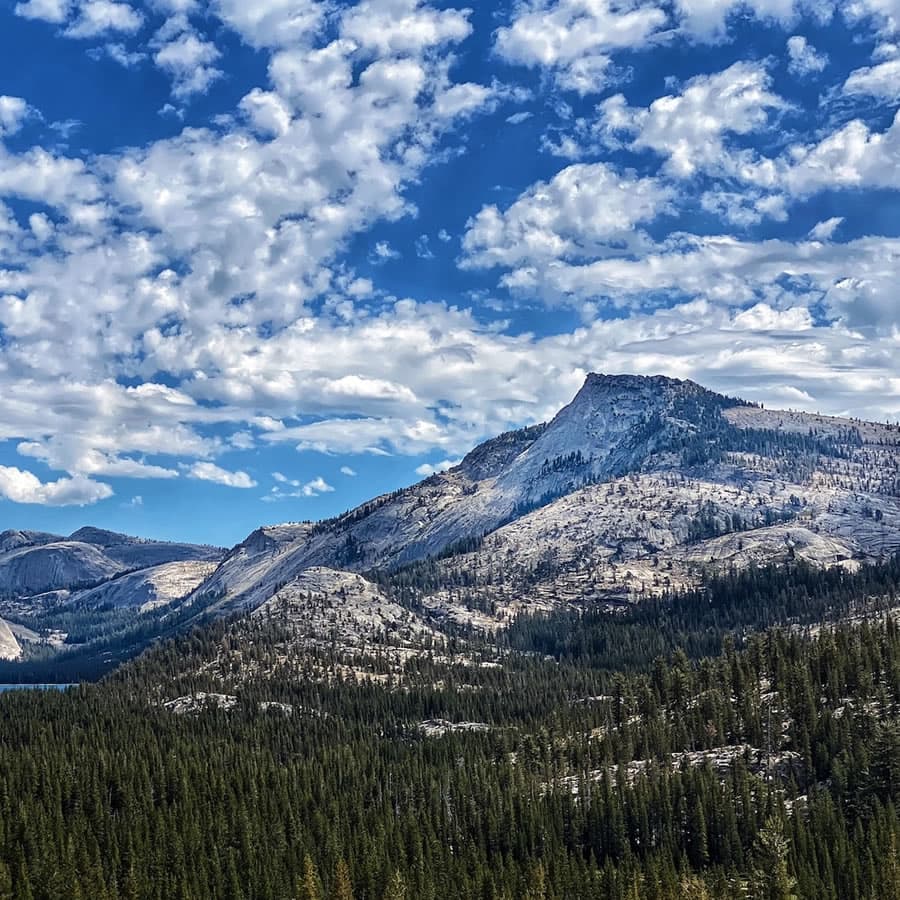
575 38
13 113
852 157
389 27
744 208
268 113
25 487
206 471
189 60
690 129
215 257
346 470
382 252
99 17
706 20
581 211
119 53
317 486
288 488
423 247
825 230
881 81
885 13
271 23
53 11
427 469
804 59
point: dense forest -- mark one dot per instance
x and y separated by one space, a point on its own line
716 745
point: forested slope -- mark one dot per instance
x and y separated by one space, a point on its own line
770 769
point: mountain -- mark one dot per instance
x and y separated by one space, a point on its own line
94 593
147 589
34 563
635 488
639 488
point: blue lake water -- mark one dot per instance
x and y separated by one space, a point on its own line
34 687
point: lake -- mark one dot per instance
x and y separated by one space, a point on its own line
34 687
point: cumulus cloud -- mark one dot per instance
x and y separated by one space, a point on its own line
189 60
824 231
427 469
100 17
271 23
207 471
173 257
581 211
575 39
13 113
804 59
690 129
707 20
884 13
881 81
217 255
24 487
54 11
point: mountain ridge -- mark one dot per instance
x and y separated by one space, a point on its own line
638 488
649 428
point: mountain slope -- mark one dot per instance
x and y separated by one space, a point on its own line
34 563
147 589
632 489
635 488
614 425
9 646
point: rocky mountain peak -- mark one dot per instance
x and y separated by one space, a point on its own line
100 537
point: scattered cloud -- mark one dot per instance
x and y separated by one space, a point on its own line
423 248
292 488
187 58
427 469
824 231
14 111
382 252
582 211
803 58
519 117
691 129
881 81
53 11
101 17
25 487
167 300
575 40
207 471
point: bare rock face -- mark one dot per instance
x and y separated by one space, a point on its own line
9 646
636 487
147 589
34 563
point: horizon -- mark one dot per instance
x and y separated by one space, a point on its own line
256 266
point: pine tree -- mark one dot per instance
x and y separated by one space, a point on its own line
342 889
396 887
772 879
310 887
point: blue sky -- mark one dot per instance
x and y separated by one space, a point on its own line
262 259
